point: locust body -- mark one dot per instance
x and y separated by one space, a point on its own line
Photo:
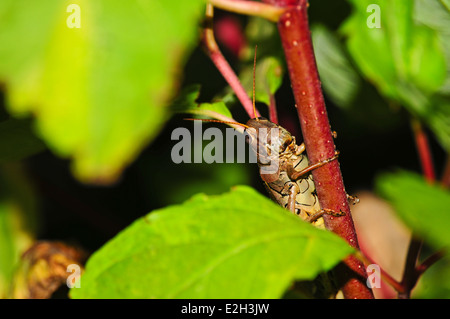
289 182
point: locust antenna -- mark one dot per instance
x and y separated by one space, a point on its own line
218 121
254 75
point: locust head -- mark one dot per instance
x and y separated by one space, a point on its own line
269 141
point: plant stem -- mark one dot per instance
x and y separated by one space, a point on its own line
411 273
427 263
445 180
253 8
386 277
423 149
222 64
273 109
408 282
296 39
409 278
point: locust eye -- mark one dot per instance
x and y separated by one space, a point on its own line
248 138
286 143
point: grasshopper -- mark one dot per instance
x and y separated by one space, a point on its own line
284 168
290 182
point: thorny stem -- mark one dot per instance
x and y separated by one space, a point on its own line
222 64
263 10
296 39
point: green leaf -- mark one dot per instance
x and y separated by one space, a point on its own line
436 15
99 91
424 207
405 60
17 140
211 179
264 34
439 118
435 282
17 221
268 78
13 242
186 102
270 66
237 245
338 76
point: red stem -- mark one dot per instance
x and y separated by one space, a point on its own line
222 64
410 275
411 271
386 277
273 109
427 263
423 148
445 180
295 36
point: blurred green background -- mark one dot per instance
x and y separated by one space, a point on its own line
43 200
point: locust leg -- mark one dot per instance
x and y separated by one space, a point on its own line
293 190
299 149
295 175
353 199
321 212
